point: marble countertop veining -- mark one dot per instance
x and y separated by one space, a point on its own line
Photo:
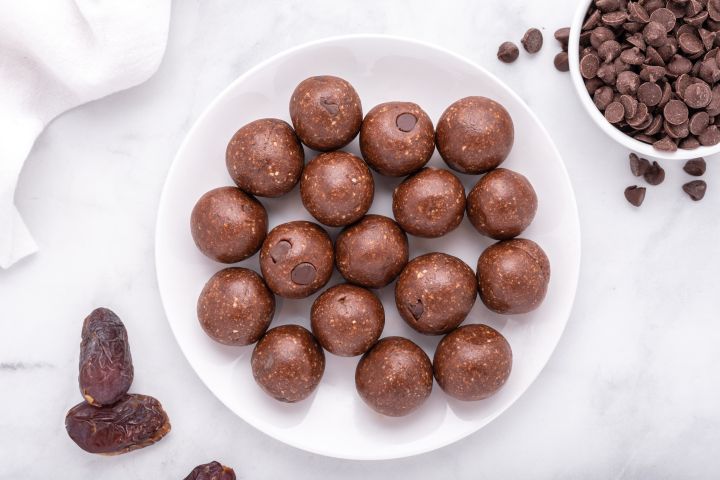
632 390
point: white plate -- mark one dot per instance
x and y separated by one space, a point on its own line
334 421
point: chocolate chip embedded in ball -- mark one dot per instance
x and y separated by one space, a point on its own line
337 188
371 252
472 362
435 292
265 158
347 320
228 225
296 259
395 377
326 112
288 363
235 307
397 138
513 276
474 135
502 204
430 203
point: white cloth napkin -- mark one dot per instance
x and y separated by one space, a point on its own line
56 55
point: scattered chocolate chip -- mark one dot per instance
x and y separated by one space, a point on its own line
561 62
638 166
695 167
695 189
532 41
562 35
508 52
635 195
655 174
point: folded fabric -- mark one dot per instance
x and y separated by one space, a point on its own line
56 55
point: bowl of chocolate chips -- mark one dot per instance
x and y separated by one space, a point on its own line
647 73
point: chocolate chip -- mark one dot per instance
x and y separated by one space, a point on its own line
562 35
714 107
698 95
713 9
638 166
709 70
561 62
406 122
665 144
627 83
614 19
615 112
592 21
279 250
641 137
601 35
532 41
664 17
652 57
682 82
607 5
508 52
640 118
637 13
693 8
655 174
695 189
679 65
655 126
676 131
632 56
654 34
330 106
689 143
607 73
707 37
649 93
303 273
630 104
636 40
676 112
416 309
695 167
652 73
710 137
609 51
603 97
690 43
593 84
667 95
635 195
589 65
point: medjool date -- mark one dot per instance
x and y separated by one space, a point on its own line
106 369
211 471
135 421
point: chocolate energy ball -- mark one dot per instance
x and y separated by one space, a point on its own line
472 362
397 138
502 204
228 225
435 292
475 135
513 276
326 112
371 252
288 363
296 259
337 188
265 158
235 307
395 377
347 320
430 203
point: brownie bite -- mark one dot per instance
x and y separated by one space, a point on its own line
235 307
228 225
371 252
475 135
337 188
296 259
513 276
429 203
472 362
397 138
347 320
395 377
435 292
265 158
326 112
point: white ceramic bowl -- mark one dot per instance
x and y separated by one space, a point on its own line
334 421
627 141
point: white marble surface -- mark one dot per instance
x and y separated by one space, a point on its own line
631 392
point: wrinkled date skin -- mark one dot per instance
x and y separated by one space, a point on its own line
136 421
106 369
211 471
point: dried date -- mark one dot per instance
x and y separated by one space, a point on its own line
106 369
211 471
135 421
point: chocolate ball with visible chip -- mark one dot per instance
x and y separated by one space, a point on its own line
502 204
326 112
395 377
513 276
429 203
472 362
265 158
435 292
296 259
371 252
475 135
397 138
347 320
337 188
228 225
235 307
288 363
